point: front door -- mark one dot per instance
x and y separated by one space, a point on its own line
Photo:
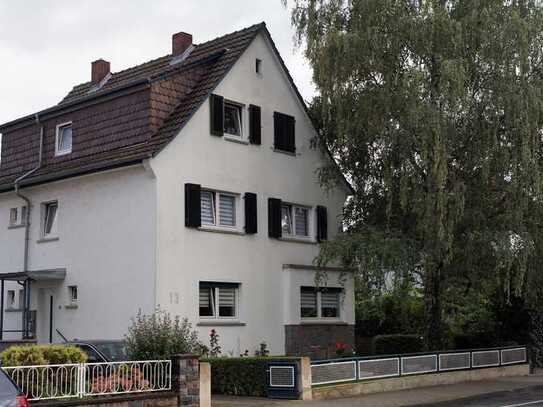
46 315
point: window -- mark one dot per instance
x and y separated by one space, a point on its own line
50 214
232 119
21 299
11 299
17 216
218 300
320 303
258 66
308 302
64 139
72 290
218 209
13 216
295 220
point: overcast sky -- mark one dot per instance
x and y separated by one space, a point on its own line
46 46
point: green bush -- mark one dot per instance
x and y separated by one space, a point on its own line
159 336
239 376
393 344
42 355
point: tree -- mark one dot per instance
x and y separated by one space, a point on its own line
433 111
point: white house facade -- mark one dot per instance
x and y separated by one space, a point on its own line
188 184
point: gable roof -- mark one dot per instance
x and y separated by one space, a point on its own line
213 60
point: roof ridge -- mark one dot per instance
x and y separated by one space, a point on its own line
135 68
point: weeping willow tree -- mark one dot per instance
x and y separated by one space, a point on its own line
433 109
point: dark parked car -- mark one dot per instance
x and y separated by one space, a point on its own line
10 394
101 350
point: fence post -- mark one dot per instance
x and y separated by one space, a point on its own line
186 379
205 384
81 370
305 379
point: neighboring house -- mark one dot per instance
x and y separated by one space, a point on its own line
187 183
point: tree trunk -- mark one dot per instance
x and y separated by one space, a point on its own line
432 308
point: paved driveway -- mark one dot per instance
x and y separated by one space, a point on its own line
510 392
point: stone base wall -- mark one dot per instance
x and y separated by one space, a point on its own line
317 341
415 381
162 399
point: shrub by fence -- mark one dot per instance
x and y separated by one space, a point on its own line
239 376
390 344
42 355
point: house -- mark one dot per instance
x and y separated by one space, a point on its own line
187 183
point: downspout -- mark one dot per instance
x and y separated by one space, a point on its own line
26 311
26 199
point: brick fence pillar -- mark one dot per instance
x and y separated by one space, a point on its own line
186 379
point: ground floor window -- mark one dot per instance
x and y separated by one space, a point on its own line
320 302
219 300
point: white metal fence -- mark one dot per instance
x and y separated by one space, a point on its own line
366 368
91 379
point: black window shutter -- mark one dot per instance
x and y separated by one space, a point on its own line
290 130
251 218
193 215
216 107
322 223
274 218
255 126
284 132
278 131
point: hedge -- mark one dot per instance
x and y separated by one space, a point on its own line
42 355
392 344
240 376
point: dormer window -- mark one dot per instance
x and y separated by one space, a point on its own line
64 139
232 119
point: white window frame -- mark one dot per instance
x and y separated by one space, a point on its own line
215 307
54 233
319 316
21 298
58 151
216 198
14 217
10 302
241 109
293 208
21 214
71 290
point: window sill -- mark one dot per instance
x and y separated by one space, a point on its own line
276 150
216 229
16 226
14 310
298 240
219 322
48 239
62 153
71 306
320 321
235 139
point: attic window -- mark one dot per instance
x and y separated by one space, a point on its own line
64 139
258 66
232 119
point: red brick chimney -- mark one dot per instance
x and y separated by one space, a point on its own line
100 69
180 42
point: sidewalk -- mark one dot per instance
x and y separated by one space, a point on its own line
414 397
